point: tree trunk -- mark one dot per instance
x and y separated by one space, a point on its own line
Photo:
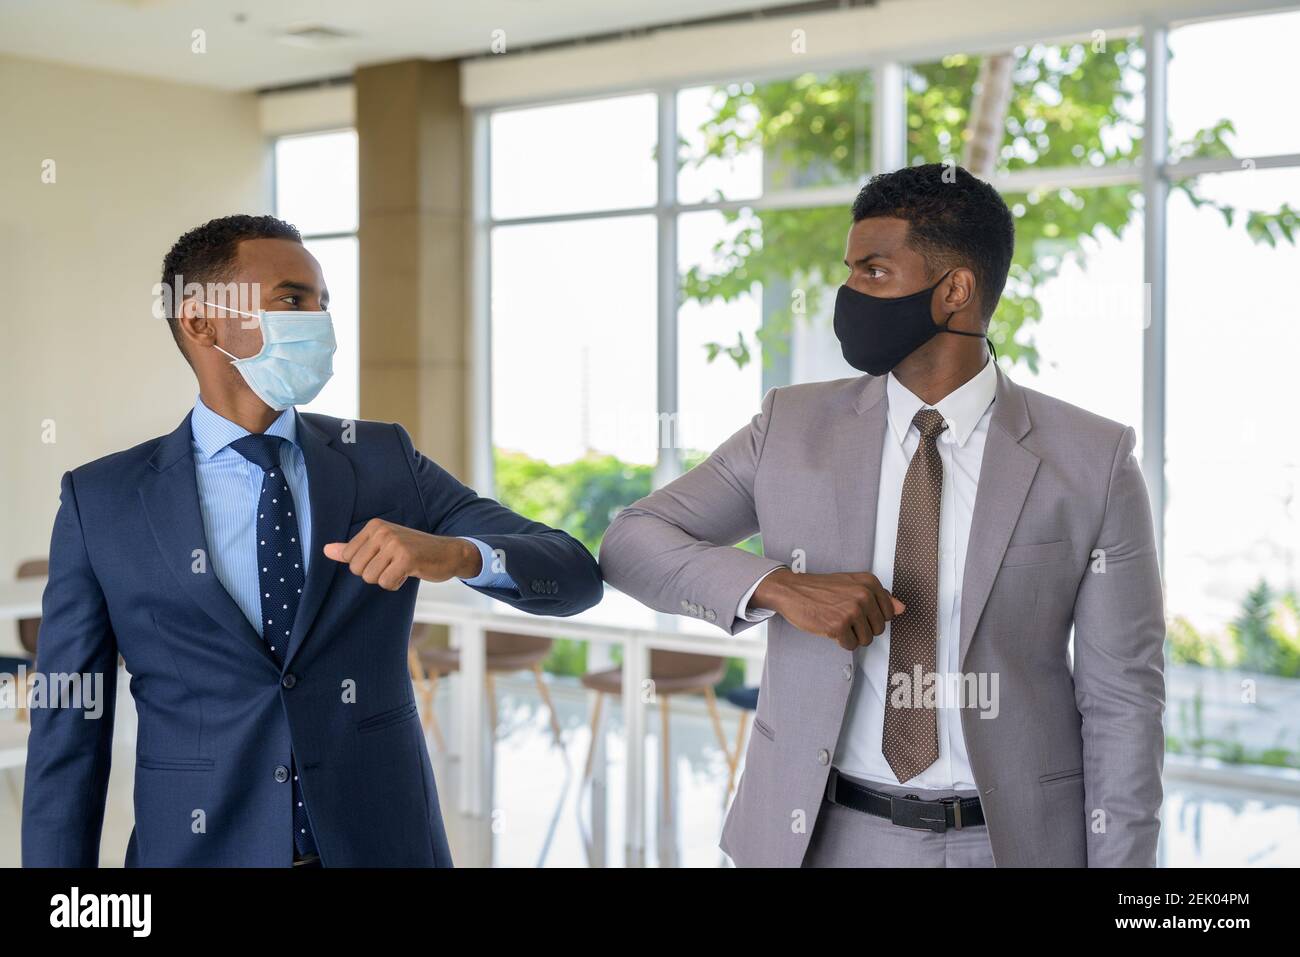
988 115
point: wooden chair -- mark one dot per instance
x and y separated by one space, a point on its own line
28 631
506 653
673 672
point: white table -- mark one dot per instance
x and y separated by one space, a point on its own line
618 620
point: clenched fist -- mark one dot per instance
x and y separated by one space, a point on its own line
848 607
386 555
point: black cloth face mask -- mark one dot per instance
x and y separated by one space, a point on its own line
877 334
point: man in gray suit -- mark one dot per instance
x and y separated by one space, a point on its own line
932 533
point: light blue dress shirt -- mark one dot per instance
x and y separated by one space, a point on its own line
229 486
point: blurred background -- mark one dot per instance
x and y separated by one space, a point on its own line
569 245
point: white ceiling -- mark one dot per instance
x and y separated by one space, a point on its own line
153 38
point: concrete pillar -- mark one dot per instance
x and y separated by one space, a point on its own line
414 230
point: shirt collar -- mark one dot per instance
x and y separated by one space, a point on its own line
213 432
962 408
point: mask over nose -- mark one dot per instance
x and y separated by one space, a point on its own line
877 333
296 358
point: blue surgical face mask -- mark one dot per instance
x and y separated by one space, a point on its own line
296 359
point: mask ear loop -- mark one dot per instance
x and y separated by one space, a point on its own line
958 332
239 312
974 335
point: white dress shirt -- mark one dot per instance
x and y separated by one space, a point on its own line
967 412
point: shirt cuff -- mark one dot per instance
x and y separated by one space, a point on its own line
487 578
745 613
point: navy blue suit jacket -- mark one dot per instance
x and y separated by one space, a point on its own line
217 717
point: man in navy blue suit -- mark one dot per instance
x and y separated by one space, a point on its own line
257 571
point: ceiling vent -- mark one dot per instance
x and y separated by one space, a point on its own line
313 36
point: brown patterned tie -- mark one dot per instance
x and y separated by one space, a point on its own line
911 734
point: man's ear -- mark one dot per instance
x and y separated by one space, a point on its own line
196 328
959 291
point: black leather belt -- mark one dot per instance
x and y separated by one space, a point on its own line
908 811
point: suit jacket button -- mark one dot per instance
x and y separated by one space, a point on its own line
848 672
281 774
823 756
289 680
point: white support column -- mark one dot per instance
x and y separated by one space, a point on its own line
482 469
888 118
669 462
1155 191
636 672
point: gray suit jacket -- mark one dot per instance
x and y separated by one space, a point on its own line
1061 538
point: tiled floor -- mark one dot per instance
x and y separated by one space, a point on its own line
545 815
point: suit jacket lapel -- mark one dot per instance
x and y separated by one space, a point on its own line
332 486
857 441
170 495
1006 472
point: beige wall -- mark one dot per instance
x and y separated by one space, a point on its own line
138 162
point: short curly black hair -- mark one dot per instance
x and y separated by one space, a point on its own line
953 219
206 253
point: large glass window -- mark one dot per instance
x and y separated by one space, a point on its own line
1043 105
1075 304
574 157
1233 522
715 398
739 140
573 339
316 190
1217 70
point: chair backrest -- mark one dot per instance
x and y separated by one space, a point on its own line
29 628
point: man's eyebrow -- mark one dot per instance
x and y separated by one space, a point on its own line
294 286
864 260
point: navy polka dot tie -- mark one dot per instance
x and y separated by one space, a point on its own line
280 576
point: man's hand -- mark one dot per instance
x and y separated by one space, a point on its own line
386 555
849 607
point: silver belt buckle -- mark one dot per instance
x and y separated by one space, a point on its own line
955 801
939 824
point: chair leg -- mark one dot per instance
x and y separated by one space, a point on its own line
422 690
595 730
427 683
430 710
667 774
492 701
22 700
712 701
418 677
741 727
546 697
